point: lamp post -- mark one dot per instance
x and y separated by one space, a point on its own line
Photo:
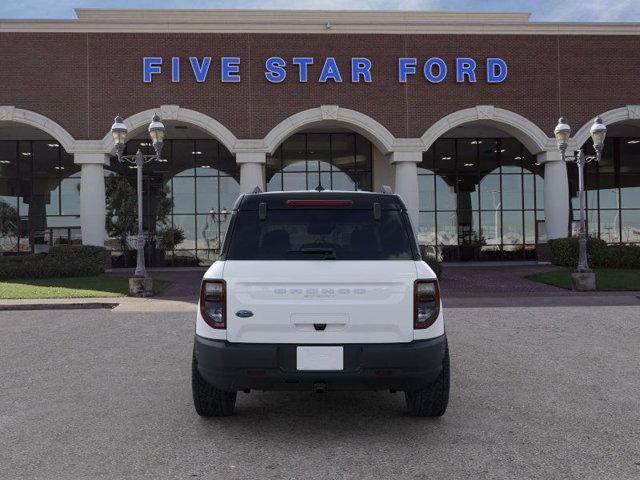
583 278
156 132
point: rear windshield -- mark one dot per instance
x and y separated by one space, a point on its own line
319 235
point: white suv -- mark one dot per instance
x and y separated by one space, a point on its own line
320 291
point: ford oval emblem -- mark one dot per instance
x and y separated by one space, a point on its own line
244 313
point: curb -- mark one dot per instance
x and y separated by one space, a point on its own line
57 306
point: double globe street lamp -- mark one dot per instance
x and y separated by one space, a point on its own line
583 278
141 284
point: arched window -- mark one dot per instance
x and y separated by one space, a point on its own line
335 161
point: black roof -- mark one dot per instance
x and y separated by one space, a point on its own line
361 200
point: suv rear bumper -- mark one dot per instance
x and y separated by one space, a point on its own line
396 366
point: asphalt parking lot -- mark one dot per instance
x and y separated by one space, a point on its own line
548 392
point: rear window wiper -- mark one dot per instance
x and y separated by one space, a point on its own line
329 253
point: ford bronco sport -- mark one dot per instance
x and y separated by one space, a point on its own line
320 291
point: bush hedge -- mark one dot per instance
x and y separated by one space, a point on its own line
564 252
61 261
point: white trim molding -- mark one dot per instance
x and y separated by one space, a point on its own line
177 113
382 138
617 115
9 113
512 123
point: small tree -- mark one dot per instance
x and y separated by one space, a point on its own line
9 222
122 209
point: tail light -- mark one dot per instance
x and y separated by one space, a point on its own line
213 299
426 303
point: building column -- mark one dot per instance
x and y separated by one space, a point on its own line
556 194
406 183
92 197
251 170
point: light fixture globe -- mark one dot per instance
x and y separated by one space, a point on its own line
119 131
562 133
598 133
156 129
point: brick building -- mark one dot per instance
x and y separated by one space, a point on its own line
455 111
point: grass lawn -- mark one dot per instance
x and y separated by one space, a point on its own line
607 279
73 287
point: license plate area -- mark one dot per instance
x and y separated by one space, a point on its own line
320 358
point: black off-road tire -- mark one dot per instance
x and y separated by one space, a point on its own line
208 400
431 401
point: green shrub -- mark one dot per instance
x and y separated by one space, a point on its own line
619 256
182 261
564 251
61 261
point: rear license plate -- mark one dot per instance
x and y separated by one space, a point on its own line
320 358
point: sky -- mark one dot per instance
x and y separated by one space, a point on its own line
542 10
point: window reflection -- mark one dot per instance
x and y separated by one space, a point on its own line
39 196
191 191
612 191
479 199
336 161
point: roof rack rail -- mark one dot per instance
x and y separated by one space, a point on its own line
256 189
386 189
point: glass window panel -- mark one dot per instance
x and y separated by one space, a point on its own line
363 181
229 192
57 221
468 226
608 191
427 228
630 155
427 164
445 194
447 228
183 157
363 153
294 153
467 198
630 191
209 228
183 193
631 226
610 226
319 154
342 151
529 191
491 225
445 155
67 167
9 218
274 184
512 233
606 163
295 181
70 196
206 157
510 155
488 155
324 179
8 159
539 192
511 192
467 151
227 164
46 159
529 227
25 158
489 192
187 223
343 181
207 194
426 192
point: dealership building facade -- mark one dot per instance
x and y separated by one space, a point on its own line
455 111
